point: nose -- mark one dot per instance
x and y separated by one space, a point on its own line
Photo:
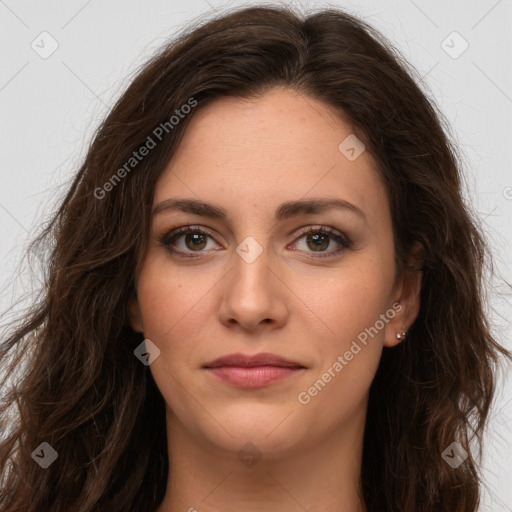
254 295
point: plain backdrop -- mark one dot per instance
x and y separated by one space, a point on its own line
65 62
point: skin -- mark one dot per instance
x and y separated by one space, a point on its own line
249 156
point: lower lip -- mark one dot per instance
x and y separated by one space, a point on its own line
254 376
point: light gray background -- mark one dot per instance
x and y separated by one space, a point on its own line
51 106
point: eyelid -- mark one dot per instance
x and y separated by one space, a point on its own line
180 230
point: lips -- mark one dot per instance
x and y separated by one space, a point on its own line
252 371
247 361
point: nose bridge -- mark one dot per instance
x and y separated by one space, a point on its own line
252 292
252 266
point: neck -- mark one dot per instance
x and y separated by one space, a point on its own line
204 477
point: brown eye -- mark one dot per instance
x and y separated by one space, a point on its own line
194 240
318 239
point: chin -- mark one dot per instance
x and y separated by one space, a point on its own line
267 427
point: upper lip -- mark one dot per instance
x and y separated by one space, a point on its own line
264 359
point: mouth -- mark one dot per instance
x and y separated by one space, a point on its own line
253 371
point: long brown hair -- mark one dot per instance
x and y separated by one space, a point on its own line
85 393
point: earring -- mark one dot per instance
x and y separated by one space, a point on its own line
401 335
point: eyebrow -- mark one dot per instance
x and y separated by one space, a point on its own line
284 211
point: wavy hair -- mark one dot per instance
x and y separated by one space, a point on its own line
83 391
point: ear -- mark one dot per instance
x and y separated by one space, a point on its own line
406 298
135 315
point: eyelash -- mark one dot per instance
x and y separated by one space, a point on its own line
171 236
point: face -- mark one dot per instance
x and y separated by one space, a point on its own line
315 286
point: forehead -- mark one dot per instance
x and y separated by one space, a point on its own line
283 145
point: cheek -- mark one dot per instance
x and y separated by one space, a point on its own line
350 299
173 301
349 357
350 305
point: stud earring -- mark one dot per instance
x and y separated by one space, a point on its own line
401 335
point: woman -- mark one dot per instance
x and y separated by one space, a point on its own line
264 291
